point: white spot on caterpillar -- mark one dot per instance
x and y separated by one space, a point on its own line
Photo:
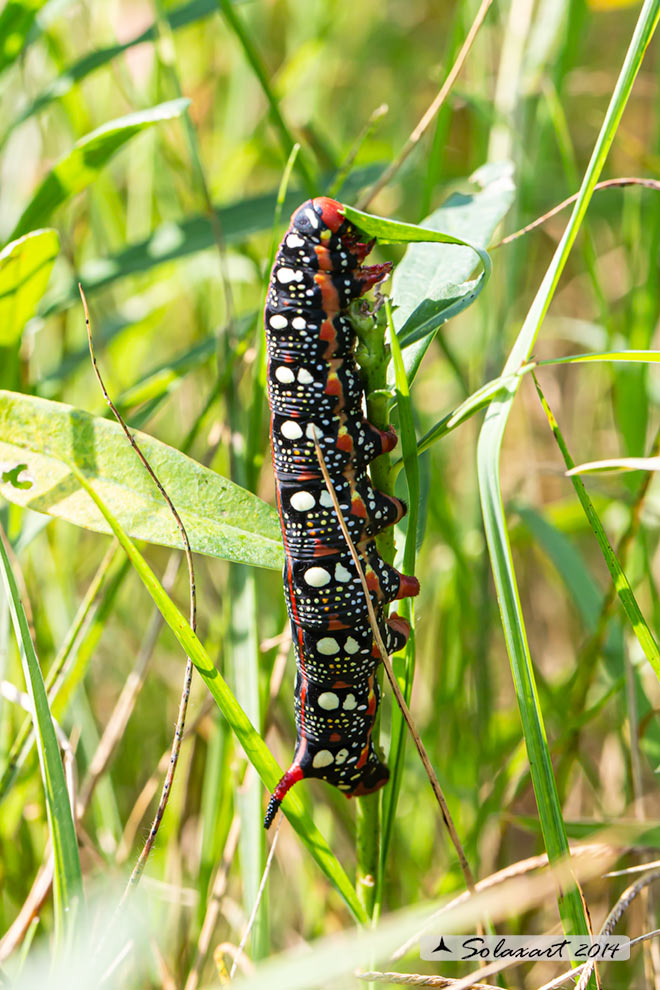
286 275
350 704
341 756
313 219
278 322
284 375
313 432
293 241
326 499
303 501
323 759
352 645
327 646
341 574
304 377
328 701
299 323
290 430
317 577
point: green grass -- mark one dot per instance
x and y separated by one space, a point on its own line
154 155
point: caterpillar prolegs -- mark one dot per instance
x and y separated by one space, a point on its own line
315 389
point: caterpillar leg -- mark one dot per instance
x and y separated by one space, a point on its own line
397 631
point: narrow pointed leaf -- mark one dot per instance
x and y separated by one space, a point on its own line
255 748
79 167
67 876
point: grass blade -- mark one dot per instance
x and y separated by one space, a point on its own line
79 167
25 267
489 446
67 877
255 748
624 591
405 666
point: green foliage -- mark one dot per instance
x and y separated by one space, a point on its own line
82 165
67 874
48 438
25 267
171 240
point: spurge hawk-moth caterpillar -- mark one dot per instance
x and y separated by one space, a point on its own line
315 389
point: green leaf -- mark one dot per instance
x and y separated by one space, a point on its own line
253 745
67 878
432 282
617 464
621 583
16 20
25 267
642 357
488 461
80 166
222 519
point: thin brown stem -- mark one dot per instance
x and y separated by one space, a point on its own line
213 906
185 693
387 664
615 915
431 112
257 902
606 184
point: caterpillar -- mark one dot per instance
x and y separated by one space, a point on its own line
315 390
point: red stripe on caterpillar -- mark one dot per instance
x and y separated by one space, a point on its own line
315 389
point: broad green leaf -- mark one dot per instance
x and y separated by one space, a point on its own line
253 745
67 878
432 281
222 519
80 166
16 20
180 238
25 267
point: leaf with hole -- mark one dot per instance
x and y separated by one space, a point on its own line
222 519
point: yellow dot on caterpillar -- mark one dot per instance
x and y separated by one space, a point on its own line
323 759
328 701
317 577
